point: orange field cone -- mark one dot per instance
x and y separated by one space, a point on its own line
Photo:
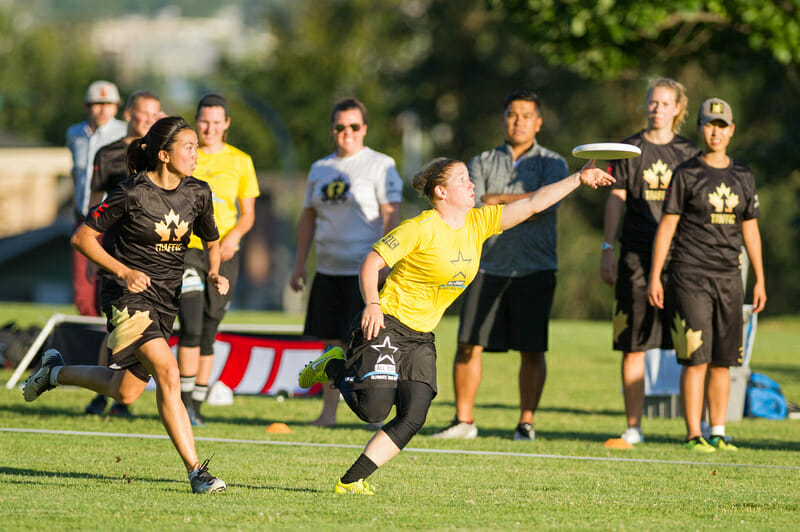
279 428
617 443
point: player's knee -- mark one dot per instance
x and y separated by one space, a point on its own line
189 337
373 413
465 352
207 347
127 395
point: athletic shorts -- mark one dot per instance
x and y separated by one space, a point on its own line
707 318
502 313
638 326
398 353
132 322
333 302
202 307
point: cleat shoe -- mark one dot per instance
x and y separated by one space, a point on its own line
39 382
195 418
314 372
524 431
120 410
359 487
204 482
458 430
633 435
722 443
96 406
699 445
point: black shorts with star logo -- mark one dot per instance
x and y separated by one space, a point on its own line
397 353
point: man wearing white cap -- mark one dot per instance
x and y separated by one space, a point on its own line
83 140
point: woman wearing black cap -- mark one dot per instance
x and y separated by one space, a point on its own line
711 208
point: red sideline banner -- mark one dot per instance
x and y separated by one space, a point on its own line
260 365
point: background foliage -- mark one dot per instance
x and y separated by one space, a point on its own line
442 68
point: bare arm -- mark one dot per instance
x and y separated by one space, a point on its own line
752 241
219 282
247 217
390 213
613 213
305 234
85 240
664 234
503 199
520 210
372 318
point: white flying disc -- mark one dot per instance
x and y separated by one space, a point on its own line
607 151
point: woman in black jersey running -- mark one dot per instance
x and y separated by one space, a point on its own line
151 216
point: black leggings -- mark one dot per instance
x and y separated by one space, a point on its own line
372 405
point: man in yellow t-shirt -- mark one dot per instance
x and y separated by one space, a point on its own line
232 178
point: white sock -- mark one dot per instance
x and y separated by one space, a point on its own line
200 392
717 430
54 375
187 384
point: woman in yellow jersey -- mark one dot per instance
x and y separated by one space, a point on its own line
232 177
391 360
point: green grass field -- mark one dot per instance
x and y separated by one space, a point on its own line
565 479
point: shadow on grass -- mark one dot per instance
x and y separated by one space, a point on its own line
31 476
51 411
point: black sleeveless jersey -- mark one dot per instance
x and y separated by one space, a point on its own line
712 204
645 180
151 228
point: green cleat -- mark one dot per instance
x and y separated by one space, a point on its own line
359 487
721 444
699 445
314 372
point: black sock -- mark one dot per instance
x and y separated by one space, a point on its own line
335 371
362 468
187 387
199 396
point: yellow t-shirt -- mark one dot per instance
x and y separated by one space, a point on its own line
231 176
432 264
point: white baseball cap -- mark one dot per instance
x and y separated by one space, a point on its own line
102 92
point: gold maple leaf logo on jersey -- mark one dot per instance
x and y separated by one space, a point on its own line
165 230
658 176
686 341
620 323
723 199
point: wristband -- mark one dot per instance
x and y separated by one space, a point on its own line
374 303
605 245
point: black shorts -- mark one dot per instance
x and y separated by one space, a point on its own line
398 353
202 307
132 322
707 318
195 281
333 302
502 313
638 326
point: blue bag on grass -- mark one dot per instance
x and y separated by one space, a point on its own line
764 398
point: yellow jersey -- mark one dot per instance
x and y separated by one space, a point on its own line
231 176
432 264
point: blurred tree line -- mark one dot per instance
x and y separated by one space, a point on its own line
434 73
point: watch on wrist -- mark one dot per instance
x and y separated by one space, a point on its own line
606 246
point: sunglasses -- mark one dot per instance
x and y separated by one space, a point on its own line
338 128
